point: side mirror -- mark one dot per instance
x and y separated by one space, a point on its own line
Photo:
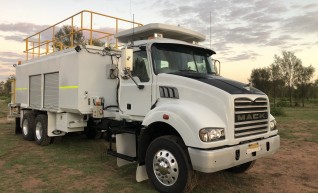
218 70
127 58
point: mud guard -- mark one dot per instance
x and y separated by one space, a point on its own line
125 144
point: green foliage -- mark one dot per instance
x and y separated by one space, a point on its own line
261 79
286 77
98 42
5 88
4 98
65 36
277 111
282 103
289 65
303 81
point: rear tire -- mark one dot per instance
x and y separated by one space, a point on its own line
28 126
168 165
93 133
41 137
242 168
18 129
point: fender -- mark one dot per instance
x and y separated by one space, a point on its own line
187 118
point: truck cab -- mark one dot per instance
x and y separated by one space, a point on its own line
175 92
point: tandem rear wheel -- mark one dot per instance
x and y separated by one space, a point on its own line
41 137
28 125
35 128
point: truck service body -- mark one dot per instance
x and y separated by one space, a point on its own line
169 110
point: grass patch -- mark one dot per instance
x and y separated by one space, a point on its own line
299 124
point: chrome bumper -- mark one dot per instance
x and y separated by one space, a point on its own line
215 160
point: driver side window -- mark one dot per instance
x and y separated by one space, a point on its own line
140 65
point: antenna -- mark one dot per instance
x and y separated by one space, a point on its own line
132 36
130 8
210 30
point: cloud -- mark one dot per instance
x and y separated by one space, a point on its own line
11 54
244 56
9 58
25 28
14 38
310 6
302 24
247 23
281 40
6 70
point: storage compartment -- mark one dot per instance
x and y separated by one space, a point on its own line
35 91
51 91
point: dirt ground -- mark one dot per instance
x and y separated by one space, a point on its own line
294 168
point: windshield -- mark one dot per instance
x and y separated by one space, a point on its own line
176 58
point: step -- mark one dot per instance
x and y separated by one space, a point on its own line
121 156
119 130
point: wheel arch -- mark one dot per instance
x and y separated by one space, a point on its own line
152 132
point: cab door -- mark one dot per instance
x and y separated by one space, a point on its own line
134 101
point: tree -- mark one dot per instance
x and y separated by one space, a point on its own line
98 42
6 86
276 80
260 78
315 89
288 64
303 80
1 88
64 36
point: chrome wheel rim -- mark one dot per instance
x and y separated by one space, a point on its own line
38 130
165 167
25 127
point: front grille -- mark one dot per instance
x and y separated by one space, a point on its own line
251 117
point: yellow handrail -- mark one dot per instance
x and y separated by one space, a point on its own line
36 42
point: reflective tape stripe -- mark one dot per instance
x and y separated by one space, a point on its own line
68 87
21 88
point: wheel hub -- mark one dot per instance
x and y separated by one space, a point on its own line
25 127
38 131
165 167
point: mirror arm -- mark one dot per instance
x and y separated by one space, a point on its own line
138 86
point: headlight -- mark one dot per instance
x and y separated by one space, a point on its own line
272 125
211 134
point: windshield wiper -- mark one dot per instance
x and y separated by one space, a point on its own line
214 73
187 71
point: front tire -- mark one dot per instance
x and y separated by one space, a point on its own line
28 126
168 165
242 168
41 137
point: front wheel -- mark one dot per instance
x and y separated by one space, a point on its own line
242 168
168 166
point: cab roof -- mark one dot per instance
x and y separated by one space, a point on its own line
168 31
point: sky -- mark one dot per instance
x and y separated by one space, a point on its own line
245 34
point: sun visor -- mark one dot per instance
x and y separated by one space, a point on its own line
168 31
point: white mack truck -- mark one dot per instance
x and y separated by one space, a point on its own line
159 95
